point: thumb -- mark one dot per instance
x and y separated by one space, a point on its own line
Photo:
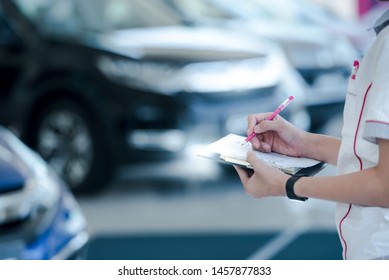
254 161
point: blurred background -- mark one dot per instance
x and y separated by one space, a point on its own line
103 105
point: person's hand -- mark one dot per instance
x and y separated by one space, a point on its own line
265 181
277 135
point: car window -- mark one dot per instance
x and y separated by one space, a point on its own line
199 9
50 13
248 10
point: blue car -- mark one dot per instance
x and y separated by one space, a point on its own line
39 217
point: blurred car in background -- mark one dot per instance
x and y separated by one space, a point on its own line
39 217
367 21
309 13
323 57
94 84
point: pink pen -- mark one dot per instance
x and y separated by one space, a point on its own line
273 115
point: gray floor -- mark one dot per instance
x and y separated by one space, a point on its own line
204 202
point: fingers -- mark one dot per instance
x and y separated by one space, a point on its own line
254 184
259 124
265 147
256 142
253 120
265 126
243 175
260 144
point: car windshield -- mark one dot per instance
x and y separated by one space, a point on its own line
98 15
291 11
197 10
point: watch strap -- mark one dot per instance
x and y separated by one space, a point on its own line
290 188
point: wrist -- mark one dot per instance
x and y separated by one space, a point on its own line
308 146
320 147
281 190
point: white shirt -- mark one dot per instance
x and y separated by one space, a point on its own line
364 231
381 22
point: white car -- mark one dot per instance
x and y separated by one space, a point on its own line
323 57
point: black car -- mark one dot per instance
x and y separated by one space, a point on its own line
94 84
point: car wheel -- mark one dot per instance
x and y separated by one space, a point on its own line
66 137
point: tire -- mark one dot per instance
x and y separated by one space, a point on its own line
67 137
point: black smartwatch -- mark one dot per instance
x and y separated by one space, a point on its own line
290 188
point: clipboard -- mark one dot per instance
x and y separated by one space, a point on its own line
229 150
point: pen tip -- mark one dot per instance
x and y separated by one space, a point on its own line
291 98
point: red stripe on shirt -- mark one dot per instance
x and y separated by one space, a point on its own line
359 123
374 121
360 166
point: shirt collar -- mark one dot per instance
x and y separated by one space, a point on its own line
381 22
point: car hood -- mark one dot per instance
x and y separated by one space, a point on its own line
183 43
10 177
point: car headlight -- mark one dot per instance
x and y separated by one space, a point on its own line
142 75
207 77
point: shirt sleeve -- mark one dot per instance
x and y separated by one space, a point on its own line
377 104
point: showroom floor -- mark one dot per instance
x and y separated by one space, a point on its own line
195 209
